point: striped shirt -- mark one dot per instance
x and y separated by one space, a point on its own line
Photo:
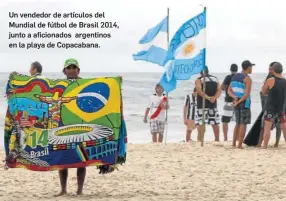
238 87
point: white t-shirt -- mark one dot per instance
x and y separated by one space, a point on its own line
153 104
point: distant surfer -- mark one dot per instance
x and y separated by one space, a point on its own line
228 110
239 90
157 108
274 113
263 102
189 115
212 93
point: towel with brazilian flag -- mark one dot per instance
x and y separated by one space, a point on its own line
58 124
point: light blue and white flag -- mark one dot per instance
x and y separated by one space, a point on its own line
154 44
187 51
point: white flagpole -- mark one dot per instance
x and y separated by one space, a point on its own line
166 132
204 90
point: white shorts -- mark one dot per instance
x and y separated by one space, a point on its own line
228 113
211 116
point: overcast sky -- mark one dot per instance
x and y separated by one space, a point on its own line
236 30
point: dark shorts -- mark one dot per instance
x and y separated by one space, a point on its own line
275 118
242 116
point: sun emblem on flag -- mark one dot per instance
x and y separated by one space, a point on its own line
189 48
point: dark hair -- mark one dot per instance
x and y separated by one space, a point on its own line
233 68
277 68
158 85
272 63
36 65
206 71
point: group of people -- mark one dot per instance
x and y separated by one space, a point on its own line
237 87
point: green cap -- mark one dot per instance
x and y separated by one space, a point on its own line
71 61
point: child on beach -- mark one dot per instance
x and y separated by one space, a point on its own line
189 115
157 108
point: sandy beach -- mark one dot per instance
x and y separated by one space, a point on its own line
172 172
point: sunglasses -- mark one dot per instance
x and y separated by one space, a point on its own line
73 67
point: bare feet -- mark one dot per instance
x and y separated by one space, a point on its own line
61 194
240 147
275 145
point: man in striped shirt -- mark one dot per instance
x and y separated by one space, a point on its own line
189 115
239 90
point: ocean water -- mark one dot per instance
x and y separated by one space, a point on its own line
137 88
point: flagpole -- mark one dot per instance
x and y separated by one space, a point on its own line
204 87
166 133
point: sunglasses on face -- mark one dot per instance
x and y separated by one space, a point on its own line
73 67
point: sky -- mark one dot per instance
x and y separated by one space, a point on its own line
236 31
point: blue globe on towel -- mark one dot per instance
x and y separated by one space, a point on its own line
93 97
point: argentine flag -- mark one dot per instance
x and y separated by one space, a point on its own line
186 53
154 44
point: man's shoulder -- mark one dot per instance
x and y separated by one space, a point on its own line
229 76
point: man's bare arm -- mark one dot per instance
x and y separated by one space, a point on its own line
223 87
146 113
218 92
199 90
268 85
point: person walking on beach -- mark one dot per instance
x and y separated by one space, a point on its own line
228 110
189 115
263 102
72 70
212 93
157 108
239 90
275 104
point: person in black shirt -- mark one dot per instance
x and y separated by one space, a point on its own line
263 102
212 93
228 109
275 103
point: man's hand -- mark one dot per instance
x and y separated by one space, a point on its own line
212 99
145 120
235 102
186 122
